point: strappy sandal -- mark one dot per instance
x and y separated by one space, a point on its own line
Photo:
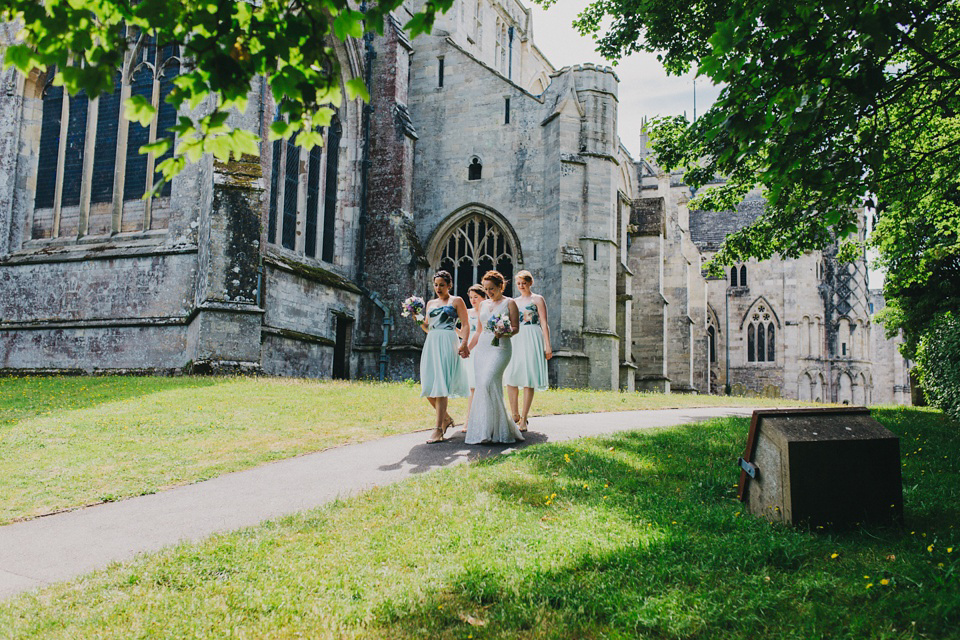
442 431
522 425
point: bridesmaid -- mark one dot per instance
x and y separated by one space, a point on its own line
477 295
531 350
489 421
441 374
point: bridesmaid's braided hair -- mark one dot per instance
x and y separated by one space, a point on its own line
477 289
495 277
445 275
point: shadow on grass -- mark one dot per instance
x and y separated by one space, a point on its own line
695 567
26 397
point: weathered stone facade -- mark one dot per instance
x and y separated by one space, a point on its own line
474 153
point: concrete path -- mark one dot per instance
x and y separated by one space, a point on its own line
50 549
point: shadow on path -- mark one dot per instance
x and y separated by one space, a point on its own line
425 457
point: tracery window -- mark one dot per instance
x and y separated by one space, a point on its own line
91 176
761 336
476 246
298 196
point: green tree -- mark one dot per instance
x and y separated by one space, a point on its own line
226 44
825 104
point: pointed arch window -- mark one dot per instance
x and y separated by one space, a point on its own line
761 336
712 332
476 246
734 280
91 176
743 275
303 193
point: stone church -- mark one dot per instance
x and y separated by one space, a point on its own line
474 153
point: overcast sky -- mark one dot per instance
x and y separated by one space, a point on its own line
645 88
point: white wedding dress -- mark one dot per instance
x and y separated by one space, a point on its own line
489 421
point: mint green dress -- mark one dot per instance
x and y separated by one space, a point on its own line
528 364
468 362
441 373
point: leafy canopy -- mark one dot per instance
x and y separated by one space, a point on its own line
825 104
224 43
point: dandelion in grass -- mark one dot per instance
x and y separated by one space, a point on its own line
414 306
834 556
869 585
884 582
930 548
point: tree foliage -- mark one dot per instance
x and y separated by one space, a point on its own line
938 357
225 45
824 104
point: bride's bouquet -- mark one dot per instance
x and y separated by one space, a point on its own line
498 324
413 305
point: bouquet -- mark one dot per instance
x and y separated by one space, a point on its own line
414 305
498 324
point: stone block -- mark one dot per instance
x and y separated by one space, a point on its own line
835 467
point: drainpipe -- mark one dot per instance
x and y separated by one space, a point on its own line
369 55
726 313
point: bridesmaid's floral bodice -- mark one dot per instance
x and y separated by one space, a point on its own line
444 317
529 314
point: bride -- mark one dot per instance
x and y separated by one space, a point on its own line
488 415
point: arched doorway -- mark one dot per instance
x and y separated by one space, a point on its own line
474 245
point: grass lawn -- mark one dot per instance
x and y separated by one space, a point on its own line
637 535
71 441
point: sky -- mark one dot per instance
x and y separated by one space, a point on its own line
645 89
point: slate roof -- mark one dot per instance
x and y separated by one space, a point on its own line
708 229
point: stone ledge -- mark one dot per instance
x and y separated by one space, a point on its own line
299 336
571 354
602 333
53 371
94 323
78 253
308 272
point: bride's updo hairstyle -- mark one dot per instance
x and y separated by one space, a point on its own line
445 276
495 277
526 276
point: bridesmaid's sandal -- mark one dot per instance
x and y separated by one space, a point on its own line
449 423
522 425
516 418
434 438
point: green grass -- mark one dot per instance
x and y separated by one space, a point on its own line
638 535
72 441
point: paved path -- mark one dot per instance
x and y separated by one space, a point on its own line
62 546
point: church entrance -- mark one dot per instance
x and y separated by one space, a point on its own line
341 349
476 245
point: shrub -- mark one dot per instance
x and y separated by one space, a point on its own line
938 361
